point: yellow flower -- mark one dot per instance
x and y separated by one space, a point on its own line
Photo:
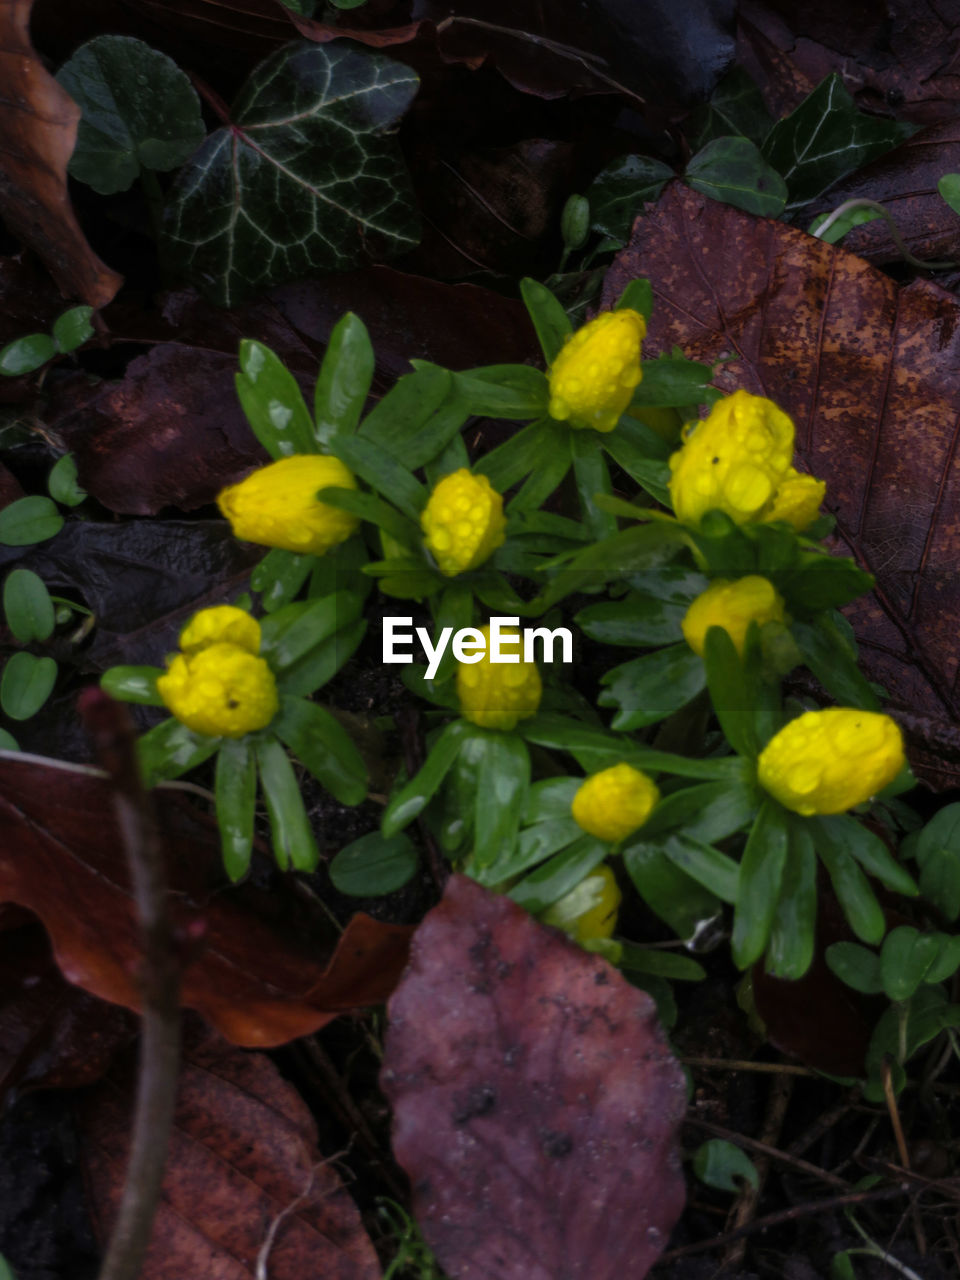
733 606
828 761
614 803
221 691
463 521
593 377
797 500
224 624
495 695
277 506
590 910
733 461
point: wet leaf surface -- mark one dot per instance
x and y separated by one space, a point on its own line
263 966
38 128
243 1150
535 1100
870 373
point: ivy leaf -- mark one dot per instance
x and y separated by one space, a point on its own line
825 139
305 178
139 110
618 192
733 170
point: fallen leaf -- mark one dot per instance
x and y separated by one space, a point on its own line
535 1100
242 1152
267 968
870 373
38 129
52 1035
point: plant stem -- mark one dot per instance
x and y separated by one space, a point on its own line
113 733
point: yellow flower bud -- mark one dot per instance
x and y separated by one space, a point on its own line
593 377
733 606
220 691
277 506
614 803
223 624
828 761
798 499
495 695
732 461
590 910
463 521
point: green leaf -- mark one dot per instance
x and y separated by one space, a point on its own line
937 851
293 631
637 296
513 391
856 966
826 138
73 328
503 775
26 354
29 520
62 482
515 458
372 865
550 799
533 845
736 106
170 749
947 960
550 321
368 507
592 479
869 850
672 382
949 188
311 671
6 1271
344 380
905 960
418 417
790 951
839 227
901 1031
28 607
413 798
731 692
321 743
733 171
235 788
650 688
618 191
273 402
860 906
8 743
761 877
701 862
279 576
383 472
724 1166
290 831
638 621
822 581
664 964
709 812
669 892
827 657
26 684
556 877
552 466
132 684
308 177
139 111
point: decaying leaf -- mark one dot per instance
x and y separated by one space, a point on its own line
870 373
38 129
264 968
242 1152
535 1100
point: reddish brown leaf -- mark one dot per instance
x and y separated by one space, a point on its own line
243 1150
535 1100
265 968
52 1034
870 373
38 129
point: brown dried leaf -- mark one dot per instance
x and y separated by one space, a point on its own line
38 129
535 1100
870 373
243 1149
264 969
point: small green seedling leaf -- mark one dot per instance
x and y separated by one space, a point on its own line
26 684
949 188
29 520
905 960
73 328
724 1166
132 684
733 171
372 865
26 354
139 111
842 223
62 482
856 966
8 743
28 607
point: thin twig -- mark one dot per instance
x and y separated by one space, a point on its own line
771 1153
736 1064
848 206
114 737
781 1090
263 1257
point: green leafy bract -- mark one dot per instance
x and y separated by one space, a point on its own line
139 111
305 178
